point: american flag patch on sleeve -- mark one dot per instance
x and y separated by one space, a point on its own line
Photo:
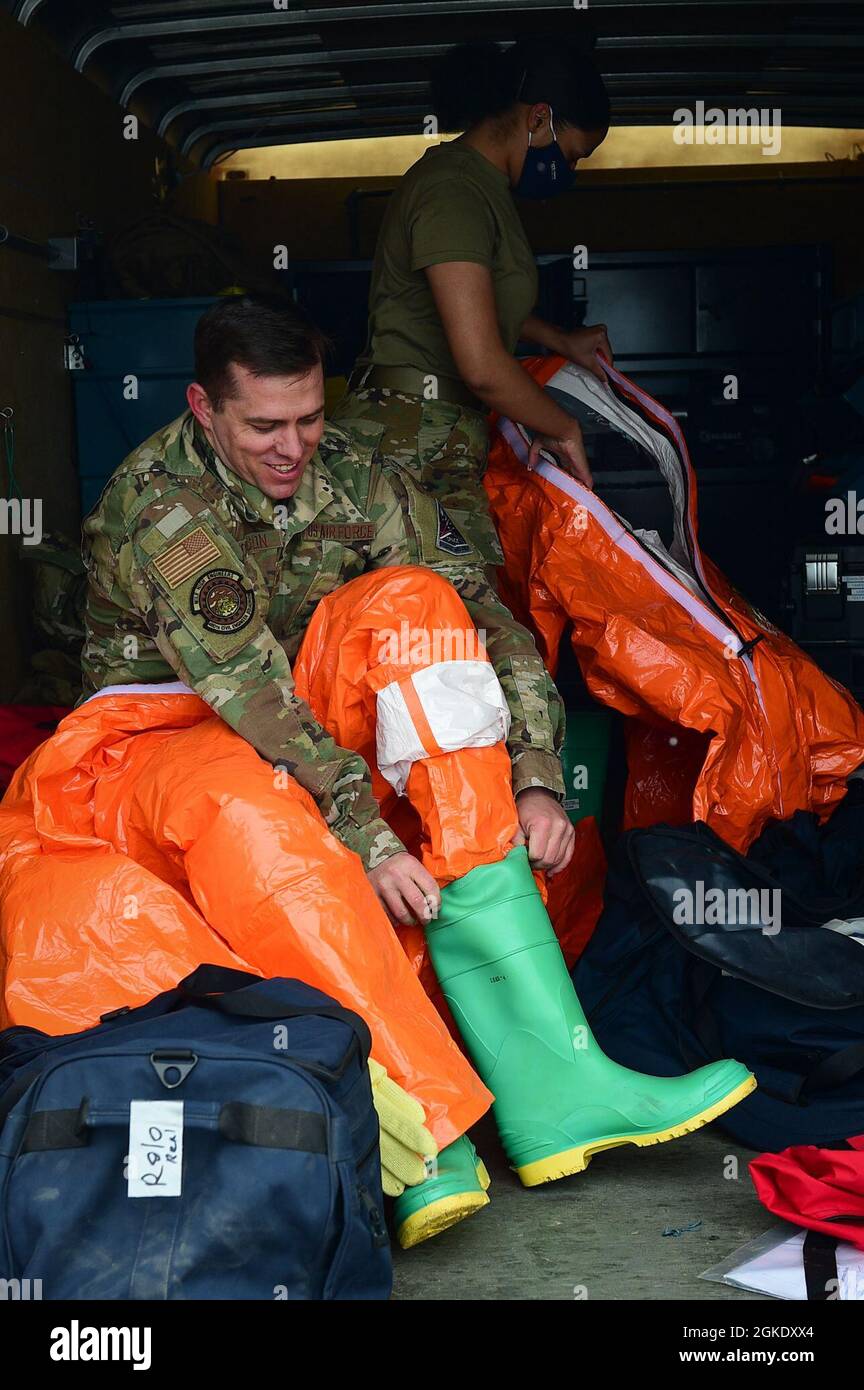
186 557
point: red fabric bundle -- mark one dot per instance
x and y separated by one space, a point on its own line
822 1189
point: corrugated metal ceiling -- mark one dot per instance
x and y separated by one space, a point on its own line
213 77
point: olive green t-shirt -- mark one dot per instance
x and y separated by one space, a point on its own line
452 205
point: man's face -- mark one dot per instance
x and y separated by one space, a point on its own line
268 429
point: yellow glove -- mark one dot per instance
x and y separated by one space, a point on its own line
405 1140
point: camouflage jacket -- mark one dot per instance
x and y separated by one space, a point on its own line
195 573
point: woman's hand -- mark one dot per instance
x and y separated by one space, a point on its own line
582 345
568 450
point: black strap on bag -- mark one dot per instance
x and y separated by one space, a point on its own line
263 1126
56 1129
216 979
225 989
204 980
269 1128
836 1069
820 1266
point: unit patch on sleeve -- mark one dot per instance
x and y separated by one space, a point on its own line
221 598
449 537
186 557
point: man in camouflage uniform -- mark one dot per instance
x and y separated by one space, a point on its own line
215 540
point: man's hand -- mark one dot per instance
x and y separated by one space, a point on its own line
546 829
569 451
407 892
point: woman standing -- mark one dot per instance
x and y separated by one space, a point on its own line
454 281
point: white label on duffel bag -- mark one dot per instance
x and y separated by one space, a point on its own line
154 1166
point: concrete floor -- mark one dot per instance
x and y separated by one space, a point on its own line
601 1230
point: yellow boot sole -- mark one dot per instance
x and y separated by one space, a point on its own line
439 1216
570 1161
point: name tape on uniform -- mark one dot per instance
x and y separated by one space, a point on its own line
340 531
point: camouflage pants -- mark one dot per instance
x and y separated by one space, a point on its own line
443 446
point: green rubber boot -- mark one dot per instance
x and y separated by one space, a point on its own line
558 1098
457 1190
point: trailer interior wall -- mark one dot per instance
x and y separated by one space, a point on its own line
64 157
655 210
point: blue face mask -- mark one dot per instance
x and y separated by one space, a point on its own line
545 172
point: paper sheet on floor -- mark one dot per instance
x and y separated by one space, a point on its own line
773 1264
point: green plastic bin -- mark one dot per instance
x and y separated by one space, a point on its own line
584 760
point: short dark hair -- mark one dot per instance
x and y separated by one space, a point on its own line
474 81
266 334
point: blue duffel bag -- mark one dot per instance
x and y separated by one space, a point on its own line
219 1142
